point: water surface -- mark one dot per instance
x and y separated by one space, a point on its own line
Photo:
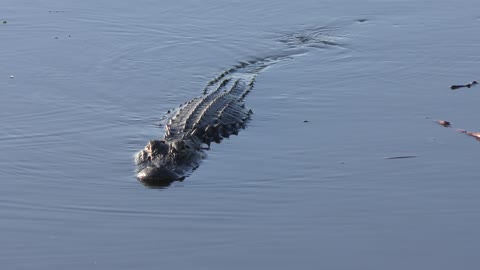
92 80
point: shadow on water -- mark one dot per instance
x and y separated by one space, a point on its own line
159 184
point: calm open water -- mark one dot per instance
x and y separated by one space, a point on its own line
93 79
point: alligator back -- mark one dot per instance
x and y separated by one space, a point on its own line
212 116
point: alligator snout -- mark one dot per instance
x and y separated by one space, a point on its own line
157 176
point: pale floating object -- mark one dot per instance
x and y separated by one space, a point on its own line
444 123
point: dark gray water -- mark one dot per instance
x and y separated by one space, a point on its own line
92 80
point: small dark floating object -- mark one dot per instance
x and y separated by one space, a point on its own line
444 123
468 85
305 121
4 22
401 157
362 20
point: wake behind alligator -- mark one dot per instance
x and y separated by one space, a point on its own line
218 113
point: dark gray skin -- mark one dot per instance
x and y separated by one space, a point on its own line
161 163
148 161
190 131
217 114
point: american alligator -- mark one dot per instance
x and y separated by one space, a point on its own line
197 123
217 114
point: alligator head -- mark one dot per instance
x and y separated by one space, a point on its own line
162 162
153 164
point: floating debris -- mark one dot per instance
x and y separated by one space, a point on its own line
305 121
468 85
476 135
444 123
4 22
401 157
11 76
